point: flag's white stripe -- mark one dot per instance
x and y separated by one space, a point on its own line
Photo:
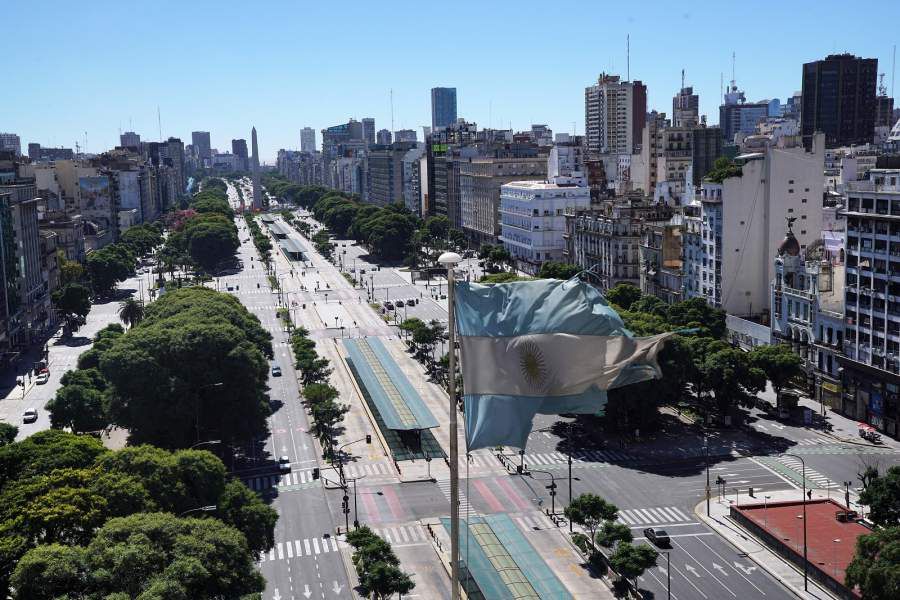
551 364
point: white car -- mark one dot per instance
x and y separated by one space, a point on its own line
30 415
42 378
284 464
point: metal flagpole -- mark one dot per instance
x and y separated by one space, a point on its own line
451 259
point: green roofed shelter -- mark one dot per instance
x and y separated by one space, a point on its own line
400 406
292 249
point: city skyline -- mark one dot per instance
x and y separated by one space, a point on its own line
225 96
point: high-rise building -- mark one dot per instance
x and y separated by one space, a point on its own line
11 142
686 108
405 135
614 115
384 173
384 137
254 160
839 99
307 139
871 311
443 107
368 125
175 152
239 149
737 115
130 139
201 143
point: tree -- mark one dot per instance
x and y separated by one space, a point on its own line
696 313
612 532
8 433
108 266
558 270
882 496
45 451
875 567
630 561
383 580
319 393
590 510
211 239
623 295
74 301
152 555
80 408
779 363
51 571
131 312
733 378
246 511
316 370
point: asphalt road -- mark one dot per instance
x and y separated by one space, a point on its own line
306 561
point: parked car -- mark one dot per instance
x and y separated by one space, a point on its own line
42 378
276 371
389 305
284 464
658 537
30 415
399 303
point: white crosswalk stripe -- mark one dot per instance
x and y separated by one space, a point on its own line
401 535
535 522
653 516
370 469
301 548
813 442
267 482
797 466
464 507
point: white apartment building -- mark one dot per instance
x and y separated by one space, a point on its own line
533 222
743 221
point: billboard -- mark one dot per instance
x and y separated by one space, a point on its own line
95 193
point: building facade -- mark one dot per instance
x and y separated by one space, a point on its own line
614 115
533 221
443 107
202 146
307 139
839 99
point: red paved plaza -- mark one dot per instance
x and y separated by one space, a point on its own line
784 521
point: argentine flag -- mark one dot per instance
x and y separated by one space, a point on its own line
545 346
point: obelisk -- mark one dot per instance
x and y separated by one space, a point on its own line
257 192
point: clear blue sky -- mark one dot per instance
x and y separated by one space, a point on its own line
222 66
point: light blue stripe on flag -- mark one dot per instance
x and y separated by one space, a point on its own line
528 318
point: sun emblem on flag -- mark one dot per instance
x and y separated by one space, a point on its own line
533 365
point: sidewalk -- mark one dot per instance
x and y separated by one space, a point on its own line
785 572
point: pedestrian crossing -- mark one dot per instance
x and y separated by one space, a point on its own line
814 442
797 466
555 458
464 507
636 517
267 482
368 469
301 548
534 522
402 535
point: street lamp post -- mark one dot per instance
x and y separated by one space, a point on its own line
450 260
552 488
706 447
669 575
766 510
805 557
847 485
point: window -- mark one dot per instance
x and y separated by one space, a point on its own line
790 190
790 210
803 201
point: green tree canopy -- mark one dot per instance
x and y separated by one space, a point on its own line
875 567
147 555
882 496
623 295
630 561
590 510
558 270
779 363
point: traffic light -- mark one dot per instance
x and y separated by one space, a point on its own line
315 473
368 438
751 493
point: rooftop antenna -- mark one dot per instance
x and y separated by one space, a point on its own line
159 122
392 109
893 69
682 81
732 68
721 87
628 57
85 142
573 128
882 91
